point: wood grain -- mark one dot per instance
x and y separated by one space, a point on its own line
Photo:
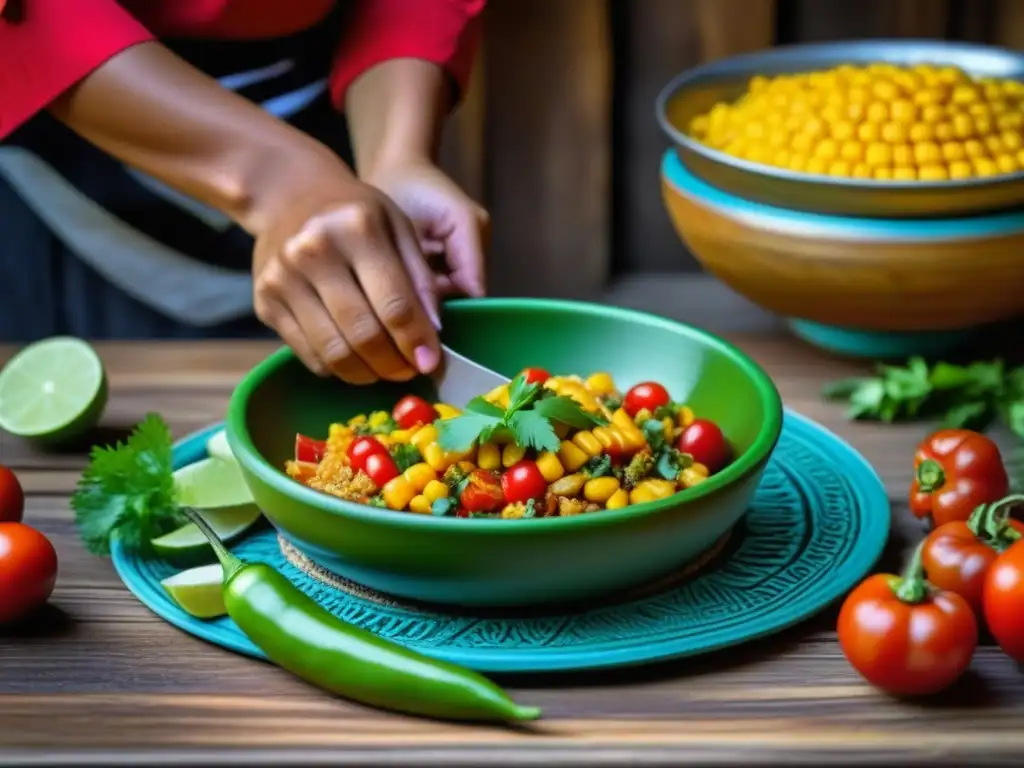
100 680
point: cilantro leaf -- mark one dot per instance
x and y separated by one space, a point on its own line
567 411
654 433
521 394
458 434
671 462
484 408
532 430
444 506
598 466
405 455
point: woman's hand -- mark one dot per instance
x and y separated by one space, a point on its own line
339 274
447 221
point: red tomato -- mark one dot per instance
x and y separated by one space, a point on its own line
705 442
12 498
482 493
904 636
361 448
1003 601
535 375
28 570
309 449
647 394
381 468
523 481
411 411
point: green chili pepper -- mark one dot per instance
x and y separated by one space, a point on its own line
300 636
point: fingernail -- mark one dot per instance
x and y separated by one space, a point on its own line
434 317
426 359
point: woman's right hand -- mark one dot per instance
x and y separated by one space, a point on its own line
338 273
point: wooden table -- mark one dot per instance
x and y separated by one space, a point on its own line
106 682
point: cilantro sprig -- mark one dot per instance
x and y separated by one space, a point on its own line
969 396
128 489
528 420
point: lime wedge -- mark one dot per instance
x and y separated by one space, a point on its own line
198 591
187 545
217 447
53 390
211 483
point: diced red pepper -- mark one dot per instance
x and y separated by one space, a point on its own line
309 449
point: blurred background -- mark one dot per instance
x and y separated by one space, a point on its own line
558 135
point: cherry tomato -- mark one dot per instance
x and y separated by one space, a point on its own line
647 394
523 481
309 450
28 570
12 498
482 493
905 636
362 448
535 375
411 411
381 468
1003 601
705 442
957 555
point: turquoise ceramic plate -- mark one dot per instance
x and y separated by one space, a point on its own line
818 524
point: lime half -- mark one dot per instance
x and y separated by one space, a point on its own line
217 447
199 591
53 390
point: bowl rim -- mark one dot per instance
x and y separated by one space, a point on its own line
711 68
251 460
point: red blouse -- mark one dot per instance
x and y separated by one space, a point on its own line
58 42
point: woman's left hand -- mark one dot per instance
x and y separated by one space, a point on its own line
450 225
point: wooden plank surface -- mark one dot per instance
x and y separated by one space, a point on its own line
103 681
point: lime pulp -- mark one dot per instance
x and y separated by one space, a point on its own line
198 591
217 447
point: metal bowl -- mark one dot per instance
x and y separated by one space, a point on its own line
696 91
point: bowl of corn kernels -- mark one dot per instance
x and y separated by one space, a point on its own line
893 128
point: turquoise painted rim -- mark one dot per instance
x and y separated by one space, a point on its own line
853 563
806 224
242 446
884 344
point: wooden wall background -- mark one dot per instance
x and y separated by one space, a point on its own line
557 135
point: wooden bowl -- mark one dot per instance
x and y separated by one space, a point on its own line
873 287
697 90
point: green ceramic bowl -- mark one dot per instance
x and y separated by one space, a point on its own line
495 562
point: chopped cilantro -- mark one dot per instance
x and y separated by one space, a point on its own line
598 466
568 411
444 507
654 432
671 462
405 455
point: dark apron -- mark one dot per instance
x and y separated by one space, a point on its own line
46 289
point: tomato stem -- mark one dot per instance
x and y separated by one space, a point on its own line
911 587
991 522
930 475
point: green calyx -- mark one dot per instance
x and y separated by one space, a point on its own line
911 587
930 476
991 522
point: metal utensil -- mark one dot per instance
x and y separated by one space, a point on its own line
458 379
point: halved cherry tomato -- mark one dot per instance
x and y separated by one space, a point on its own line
28 570
647 394
309 449
412 411
535 375
705 442
12 497
957 555
523 481
381 468
1003 601
905 636
362 448
482 492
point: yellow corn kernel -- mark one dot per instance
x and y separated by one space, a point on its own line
555 384
570 485
610 438
689 478
641 495
498 396
659 489
571 456
420 505
618 499
685 416
397 493
622 419
512 454
355 421
384 440
436 457
600 383
419 475
586 442
379 418
550 467
632 438
642 415
424 436
435 490
445 411
488 456
600 489
670 427
561 430
700 469
402 435
338 431
513 511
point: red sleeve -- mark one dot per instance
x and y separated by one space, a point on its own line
53 46
445 32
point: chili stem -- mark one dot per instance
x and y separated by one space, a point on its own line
229 562
912 587
930 475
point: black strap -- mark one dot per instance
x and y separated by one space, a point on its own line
13 11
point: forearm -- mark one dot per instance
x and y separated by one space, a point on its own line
155 112
396 111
